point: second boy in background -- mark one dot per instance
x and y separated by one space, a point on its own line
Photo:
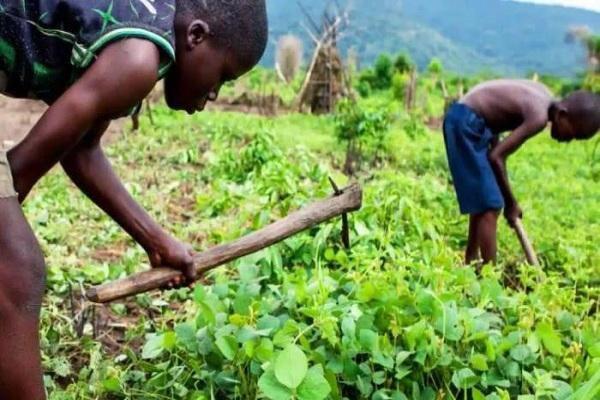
477 157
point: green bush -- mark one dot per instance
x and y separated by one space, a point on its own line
363 131
364 84
400 82
403 63
435 66
384 71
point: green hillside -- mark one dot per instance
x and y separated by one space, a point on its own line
468 35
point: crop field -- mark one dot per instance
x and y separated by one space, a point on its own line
397 316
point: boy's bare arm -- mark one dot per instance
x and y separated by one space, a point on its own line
120 78
498 156
123 74
91 171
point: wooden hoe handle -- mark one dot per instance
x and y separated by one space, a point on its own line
347 200
526 243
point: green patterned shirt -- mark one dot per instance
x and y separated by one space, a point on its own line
45 45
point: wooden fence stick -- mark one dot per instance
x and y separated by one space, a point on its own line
348 200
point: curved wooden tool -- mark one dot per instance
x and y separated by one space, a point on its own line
526 243
348 200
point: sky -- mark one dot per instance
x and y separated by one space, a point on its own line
588 4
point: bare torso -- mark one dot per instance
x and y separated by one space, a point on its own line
506 103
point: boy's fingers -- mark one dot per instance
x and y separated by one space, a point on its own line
190 273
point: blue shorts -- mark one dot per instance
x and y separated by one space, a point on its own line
468 142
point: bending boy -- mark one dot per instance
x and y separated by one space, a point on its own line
93 61
477 157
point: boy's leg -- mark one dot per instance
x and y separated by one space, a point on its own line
22 281
472 252
487 224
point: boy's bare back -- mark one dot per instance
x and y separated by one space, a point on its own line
506 103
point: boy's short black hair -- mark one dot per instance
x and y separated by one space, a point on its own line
240 25
583 107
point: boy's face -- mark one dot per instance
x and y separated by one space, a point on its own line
202 67
566 128
562 128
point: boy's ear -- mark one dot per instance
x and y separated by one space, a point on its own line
558 111
198 30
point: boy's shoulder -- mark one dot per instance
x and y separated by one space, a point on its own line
511 96
512 88
54 41
507 103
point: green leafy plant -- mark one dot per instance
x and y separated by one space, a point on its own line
363 132
397 316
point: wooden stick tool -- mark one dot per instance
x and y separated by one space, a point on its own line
530 253
344 201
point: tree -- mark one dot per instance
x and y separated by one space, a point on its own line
364 132
384 71
435 66
403 63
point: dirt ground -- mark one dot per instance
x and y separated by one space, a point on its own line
17 117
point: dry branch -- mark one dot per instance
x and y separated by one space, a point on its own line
348 200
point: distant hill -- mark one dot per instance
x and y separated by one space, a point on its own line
467 35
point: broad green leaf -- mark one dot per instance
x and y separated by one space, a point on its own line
425 302
397 395
464 379
186 335
512 369
241 304
349 327
153 347
402 372
367 292
364 385
247 333
520 352
169 340
314 386
199 293
369 340
268 322
447 322
264 351
381 394
549 337
206 312
383 360
477 395
594 350
271 387
479 362
228 346
291 366
565 320
112 385
401 357
562 390
428 394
